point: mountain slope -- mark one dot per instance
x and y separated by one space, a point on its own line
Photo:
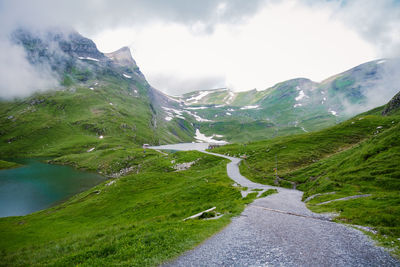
99 96
294 106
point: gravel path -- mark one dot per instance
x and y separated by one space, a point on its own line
280 231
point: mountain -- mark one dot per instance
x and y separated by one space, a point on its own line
294 106
103 101
107 95
358 157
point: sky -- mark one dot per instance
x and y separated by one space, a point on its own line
187 45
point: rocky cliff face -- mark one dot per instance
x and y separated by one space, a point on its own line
393 105
122 57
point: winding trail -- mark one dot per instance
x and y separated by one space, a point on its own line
280 230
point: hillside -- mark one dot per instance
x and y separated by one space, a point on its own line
107 95
292 106
357 157
136 220
103 101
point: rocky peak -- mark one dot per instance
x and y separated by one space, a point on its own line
56 41
393 105
122 57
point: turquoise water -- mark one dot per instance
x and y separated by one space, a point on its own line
36 186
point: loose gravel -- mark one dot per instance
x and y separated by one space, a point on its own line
279 230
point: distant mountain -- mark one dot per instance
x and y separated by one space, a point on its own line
293 106
107 96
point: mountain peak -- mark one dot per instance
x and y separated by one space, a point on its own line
122 57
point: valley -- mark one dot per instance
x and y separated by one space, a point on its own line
326 140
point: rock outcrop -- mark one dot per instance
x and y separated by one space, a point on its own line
394 104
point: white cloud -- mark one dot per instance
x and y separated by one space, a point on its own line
184 45
283 40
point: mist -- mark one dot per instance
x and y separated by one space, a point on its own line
252 63
379 91
19 78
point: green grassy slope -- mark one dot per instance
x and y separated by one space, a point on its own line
8 164
72 120
359 156
137 221
97 97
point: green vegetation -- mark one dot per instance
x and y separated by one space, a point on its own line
73 119
136 220
8 164
359 156
269 192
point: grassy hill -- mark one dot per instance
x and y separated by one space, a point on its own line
357 157
98 97
136 220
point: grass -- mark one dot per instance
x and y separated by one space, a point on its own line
71 119
8 164
268 192
136 221
359 156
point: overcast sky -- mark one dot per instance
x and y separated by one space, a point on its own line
186 45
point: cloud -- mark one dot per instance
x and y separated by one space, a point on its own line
245 44
18 77
100 14
176 86
377 89
283 40
378 22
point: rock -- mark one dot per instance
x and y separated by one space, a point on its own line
393 105
184 166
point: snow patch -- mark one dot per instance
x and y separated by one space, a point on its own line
304 129
250 107
89 58
196 99
229 114
196 108
297 105
176 111
197 117
171 112
90 150
301 95
127 76
334 113
168 118
91 88
207 139
381 61
229 98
